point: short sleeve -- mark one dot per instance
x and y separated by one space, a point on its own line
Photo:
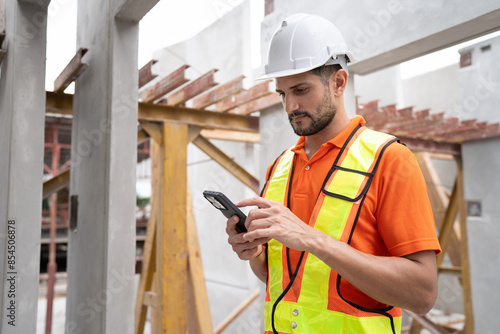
404 214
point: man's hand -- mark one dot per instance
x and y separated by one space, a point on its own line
245 249
273 220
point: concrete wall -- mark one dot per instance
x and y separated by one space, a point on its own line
383 85
479 83
436 90
224 45
482 184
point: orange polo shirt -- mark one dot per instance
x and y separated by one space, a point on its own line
396 218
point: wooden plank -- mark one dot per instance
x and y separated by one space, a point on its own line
426 323
466 283
416 144
237 311
239 136
142 136
225 161
165 85
251 94
154 130
146 73
149 250
444 210
192 89
71 72
63 104
446 230
219 93
56 183
260 104
171 240
203 321
202 118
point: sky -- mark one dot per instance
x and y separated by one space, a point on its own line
169 22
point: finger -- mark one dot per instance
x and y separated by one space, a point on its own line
254 201
231 225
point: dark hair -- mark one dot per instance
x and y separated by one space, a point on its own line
325 72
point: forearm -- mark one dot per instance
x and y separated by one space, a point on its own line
399 281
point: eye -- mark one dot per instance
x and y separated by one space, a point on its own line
301 90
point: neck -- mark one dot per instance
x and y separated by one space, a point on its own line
314 142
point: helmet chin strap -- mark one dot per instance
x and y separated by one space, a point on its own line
340 60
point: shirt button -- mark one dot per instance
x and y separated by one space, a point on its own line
308 167
295 312
294 325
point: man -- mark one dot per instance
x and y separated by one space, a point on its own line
343 234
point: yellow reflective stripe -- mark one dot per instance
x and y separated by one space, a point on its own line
359 157
275 269
312 321
334 214
276 189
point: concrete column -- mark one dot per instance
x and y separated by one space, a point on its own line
22 115
101 257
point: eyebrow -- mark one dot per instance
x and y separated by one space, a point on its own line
292 87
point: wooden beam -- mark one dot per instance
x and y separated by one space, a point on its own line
192 89
444 210
201 118
426 323
2 34
146 73
431 146
56 183
240 136
199 299
231 166
142 136
260 104
59 103
71 72
446 230
154 130
143 299
63 104
172 264
255 92
219 93
165 85
237 311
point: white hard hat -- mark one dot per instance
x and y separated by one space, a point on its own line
304 42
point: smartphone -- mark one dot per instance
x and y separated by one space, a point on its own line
228 209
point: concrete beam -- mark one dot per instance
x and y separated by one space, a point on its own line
439 40
133 10
22 105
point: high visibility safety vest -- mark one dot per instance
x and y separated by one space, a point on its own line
317 309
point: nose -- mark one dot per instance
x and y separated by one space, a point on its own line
290 104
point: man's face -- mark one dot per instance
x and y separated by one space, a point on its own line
307 101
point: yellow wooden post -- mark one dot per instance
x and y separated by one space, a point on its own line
171 237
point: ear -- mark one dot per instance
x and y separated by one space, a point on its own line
338 82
